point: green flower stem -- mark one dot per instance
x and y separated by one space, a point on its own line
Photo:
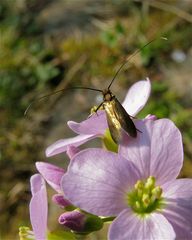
108 219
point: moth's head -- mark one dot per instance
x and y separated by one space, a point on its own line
107 95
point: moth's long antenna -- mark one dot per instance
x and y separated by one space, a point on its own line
129 58
56 92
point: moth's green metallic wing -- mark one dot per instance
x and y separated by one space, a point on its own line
118 119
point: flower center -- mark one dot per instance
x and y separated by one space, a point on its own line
145 197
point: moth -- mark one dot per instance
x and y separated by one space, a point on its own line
117 117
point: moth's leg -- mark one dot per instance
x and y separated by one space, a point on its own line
100 105
93 110
138 130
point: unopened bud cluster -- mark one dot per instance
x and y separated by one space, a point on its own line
25 234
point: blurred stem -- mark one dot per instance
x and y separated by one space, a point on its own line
173 9
145 9
145 14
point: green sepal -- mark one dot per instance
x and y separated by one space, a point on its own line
92 223
109 143
70 208
61 235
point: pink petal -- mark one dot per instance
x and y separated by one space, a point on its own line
178 208
156 151
38 207
137 97
179 189
71 151
51 173
97 181
61 145
180 218
96 124
151 117
131 226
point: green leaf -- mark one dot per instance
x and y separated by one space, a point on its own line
61 235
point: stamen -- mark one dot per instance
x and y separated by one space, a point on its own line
150 183
145 196
145 200
138 184
137 205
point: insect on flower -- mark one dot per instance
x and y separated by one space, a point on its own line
117 117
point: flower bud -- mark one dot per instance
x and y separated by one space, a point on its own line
74 220
25 233
60 200
81 223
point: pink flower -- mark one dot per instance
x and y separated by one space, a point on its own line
39 203
53 175
138 186
96 125
38 207
75 220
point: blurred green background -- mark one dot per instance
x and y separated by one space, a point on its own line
46 45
